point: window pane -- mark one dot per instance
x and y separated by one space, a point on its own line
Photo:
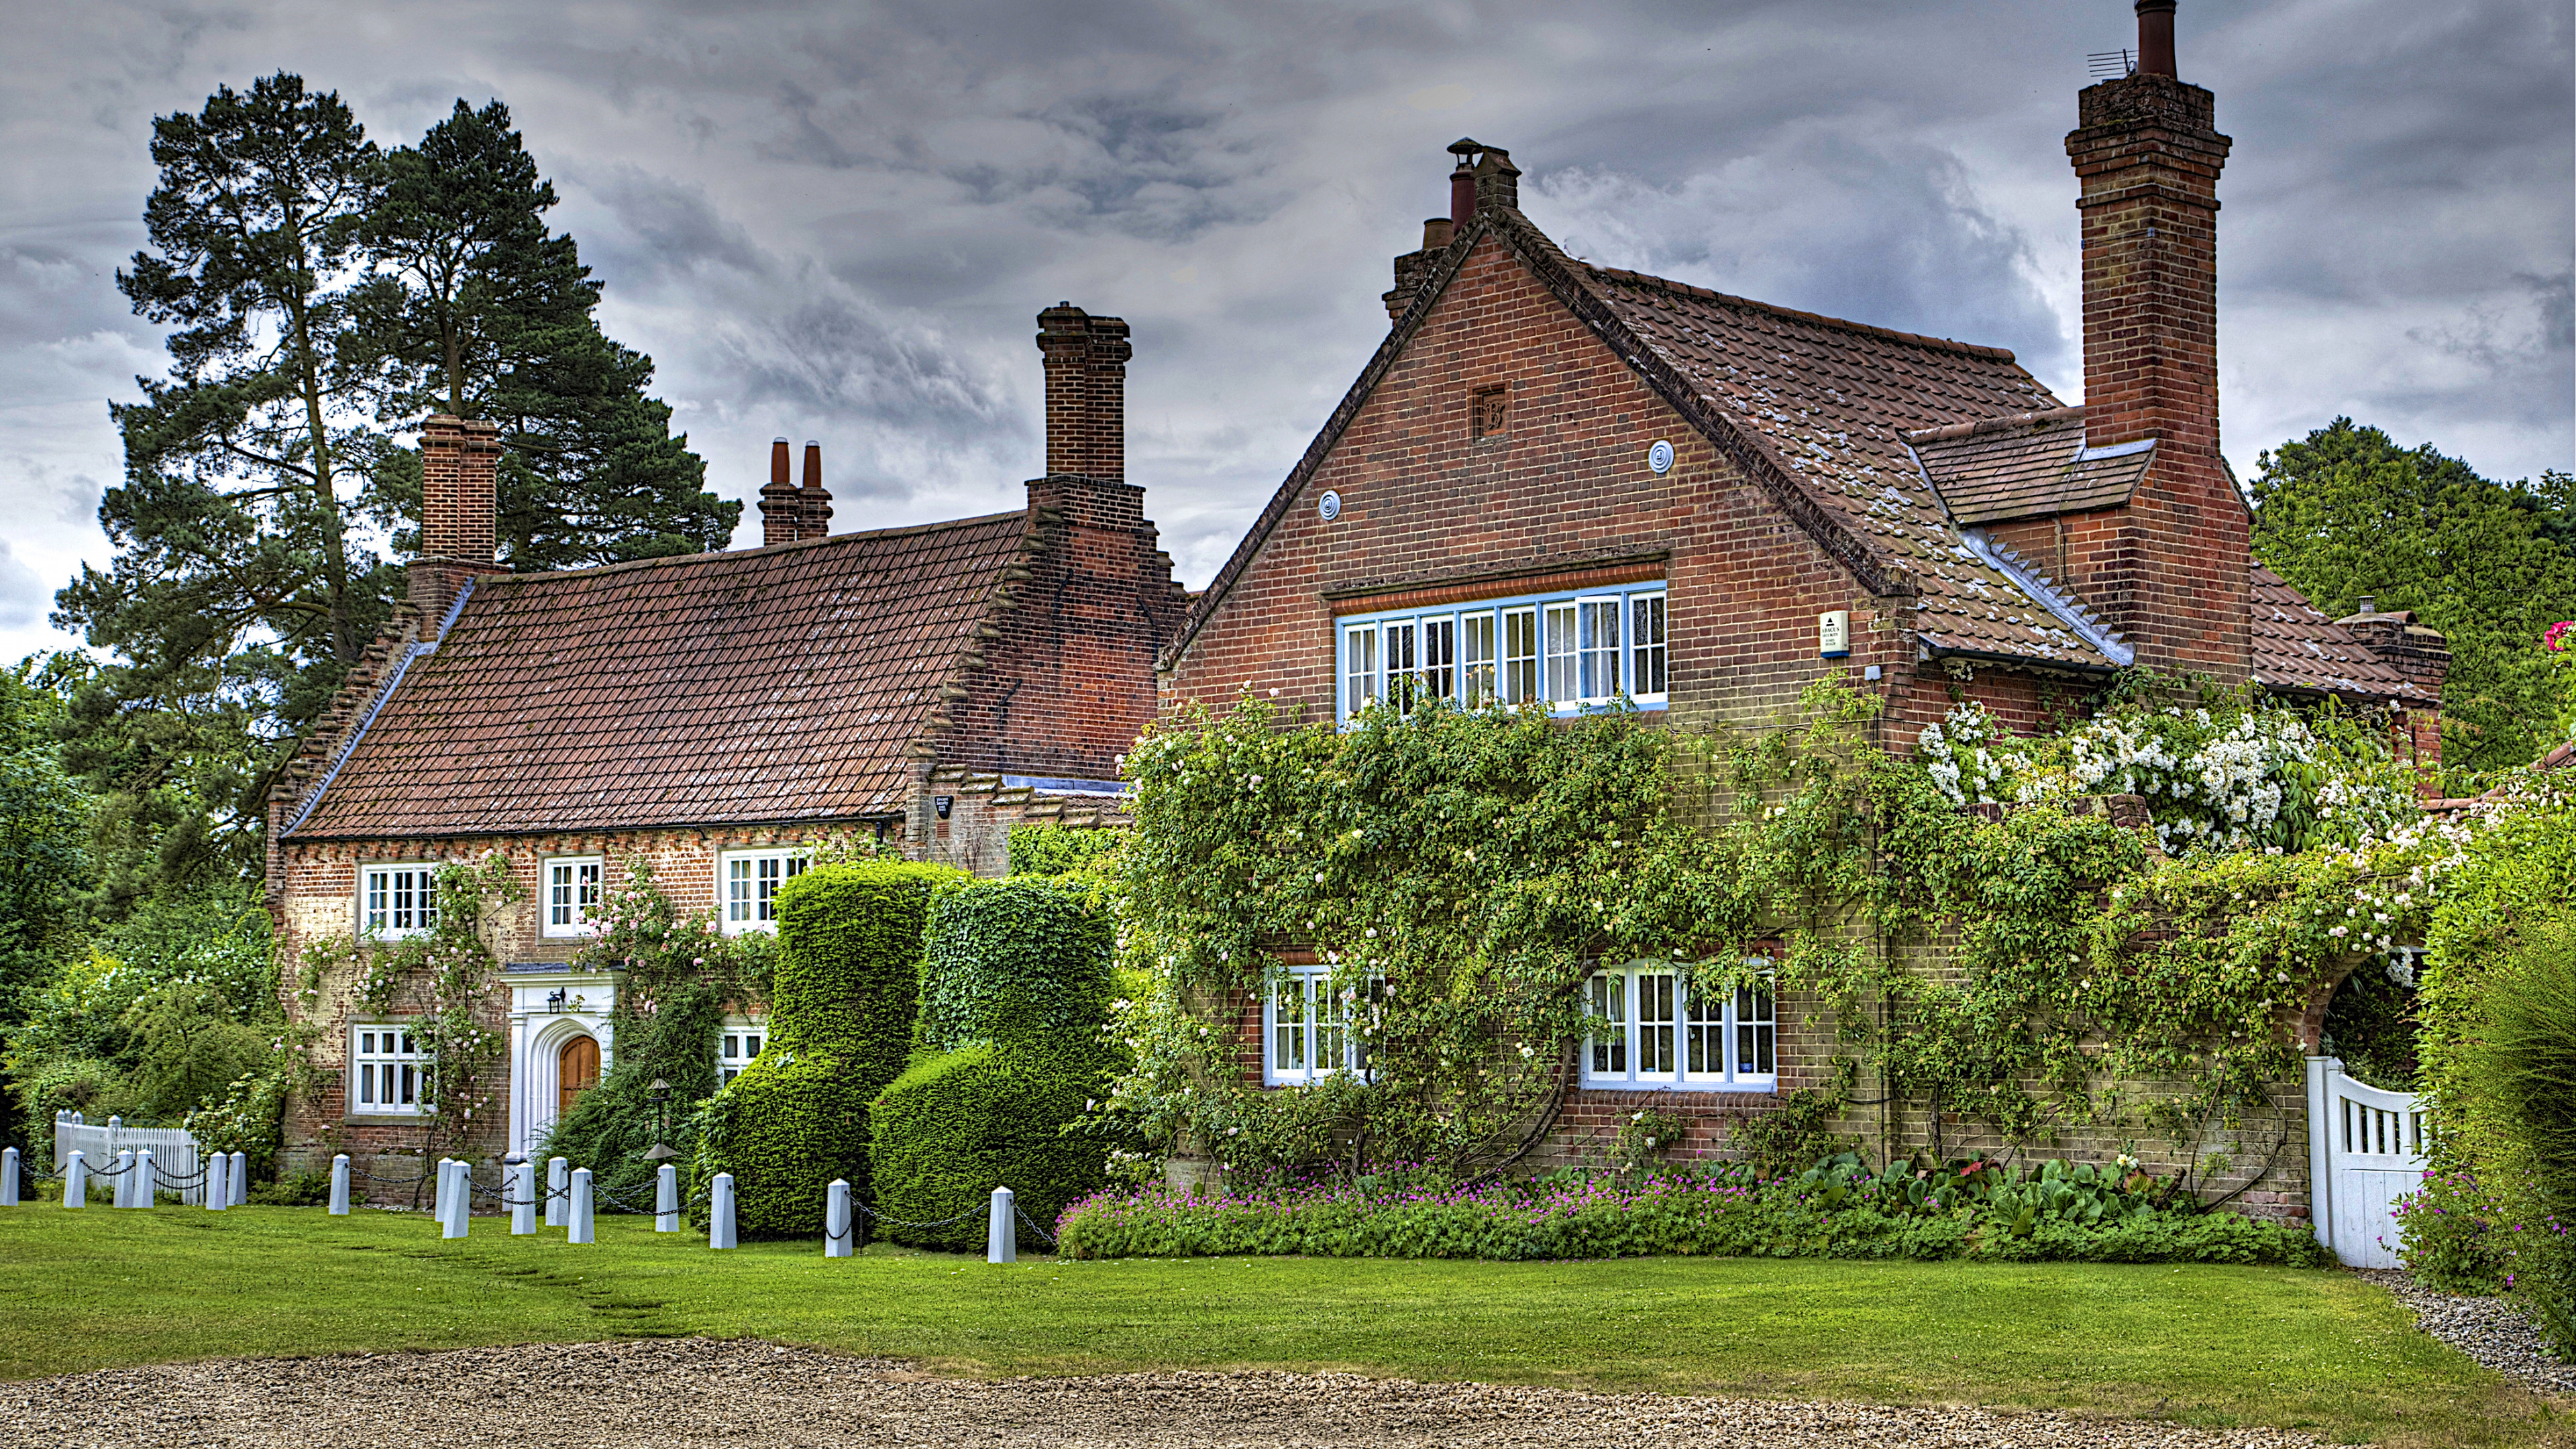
1402 660
1440 659
559 902
1562 682
1705 1037
1288 1019
1610 1024
1360 668
367 1084
1520 656
1332 1038
1646 643
587 896
377 907
1597 625
751 1046
1757 1031
1654 1024
1476 639
733 1048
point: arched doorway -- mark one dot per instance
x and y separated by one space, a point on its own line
576 1072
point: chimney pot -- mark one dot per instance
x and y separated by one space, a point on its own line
814 506
1462 181
781 514
2369 605
2155 37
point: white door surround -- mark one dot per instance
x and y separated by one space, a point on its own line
550 1005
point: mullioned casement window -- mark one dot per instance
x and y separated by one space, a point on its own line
1563 652
388 1071
1311 1028
571 898
747 883
1650 1031
737 1044
395 901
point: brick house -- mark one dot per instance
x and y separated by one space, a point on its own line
720 715
1556 483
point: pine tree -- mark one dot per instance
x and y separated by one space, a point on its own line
483 313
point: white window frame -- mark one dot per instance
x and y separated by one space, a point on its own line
1570 652
736 1046
388 1069
570 891
397 900
1308 1031
754 906
1660 1038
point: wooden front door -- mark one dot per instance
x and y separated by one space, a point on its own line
576 1072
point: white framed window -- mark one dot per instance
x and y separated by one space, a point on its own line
1596 624
1569 652
1520 655
747 882
1476 667
395 901
741 1040
1650 1030
1401 648
1649 661
1562 673
1310 1027
388 1072
1359 668
571 897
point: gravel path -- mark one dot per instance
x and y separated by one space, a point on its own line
2491 1330
707 1392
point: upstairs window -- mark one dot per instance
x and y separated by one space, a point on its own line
1568 652
571 898
740 1041
395 901
387 1070
748 882
1648 1029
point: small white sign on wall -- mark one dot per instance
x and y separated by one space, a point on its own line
1833 634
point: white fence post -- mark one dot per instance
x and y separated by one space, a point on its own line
340 1185
76 1179
1002 1236
145 1193
720 1211
557 1183
218 1195
239 1177
458 1180
837 1236
124 1176
666 1199
522 1180
581 1228
8 1177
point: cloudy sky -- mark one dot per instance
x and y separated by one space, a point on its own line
839 221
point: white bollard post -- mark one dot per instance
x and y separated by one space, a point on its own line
837 1237
666 1199
720 1211
438 1193
124 1191
240 1179
556 1182
460 1199
76 1180
339 1184
218 1195
523 1197
1002 1235
581 1230
145 1188
8 1177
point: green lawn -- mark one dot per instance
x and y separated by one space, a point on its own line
2214 1346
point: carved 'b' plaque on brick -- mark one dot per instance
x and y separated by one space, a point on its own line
1491 411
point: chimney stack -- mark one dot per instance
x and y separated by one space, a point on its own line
1086 392
781 514
2170 570
1411 267
460 462
814 506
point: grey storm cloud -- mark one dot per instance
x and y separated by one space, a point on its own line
838 221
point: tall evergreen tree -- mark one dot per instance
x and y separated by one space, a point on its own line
482 313
2345 512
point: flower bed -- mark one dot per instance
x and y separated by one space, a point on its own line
1836 1210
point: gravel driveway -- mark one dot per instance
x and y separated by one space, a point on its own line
693 1392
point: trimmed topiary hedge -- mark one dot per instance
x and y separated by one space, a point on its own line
1015 989
1059 849
841 1026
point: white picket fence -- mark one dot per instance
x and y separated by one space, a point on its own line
2365 1150
176 1163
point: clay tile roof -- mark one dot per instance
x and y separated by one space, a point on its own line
2296 647
771 684
1833 402
2029 466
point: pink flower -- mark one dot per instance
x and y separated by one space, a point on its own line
2557 634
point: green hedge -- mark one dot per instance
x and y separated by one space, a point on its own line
1058 849
848 982
959 1124
1024 962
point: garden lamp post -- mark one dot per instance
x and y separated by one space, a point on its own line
660 1152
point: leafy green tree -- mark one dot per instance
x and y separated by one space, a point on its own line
2346 513
481 312
44 821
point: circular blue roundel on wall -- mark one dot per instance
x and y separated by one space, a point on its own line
1660 456
1330 505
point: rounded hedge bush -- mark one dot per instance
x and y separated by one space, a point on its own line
961 1123
1023 961
849 962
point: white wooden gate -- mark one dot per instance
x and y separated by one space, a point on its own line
2365 1149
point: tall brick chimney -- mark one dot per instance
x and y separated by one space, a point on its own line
814 506
782 513
1086 392
460 461
2169 569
